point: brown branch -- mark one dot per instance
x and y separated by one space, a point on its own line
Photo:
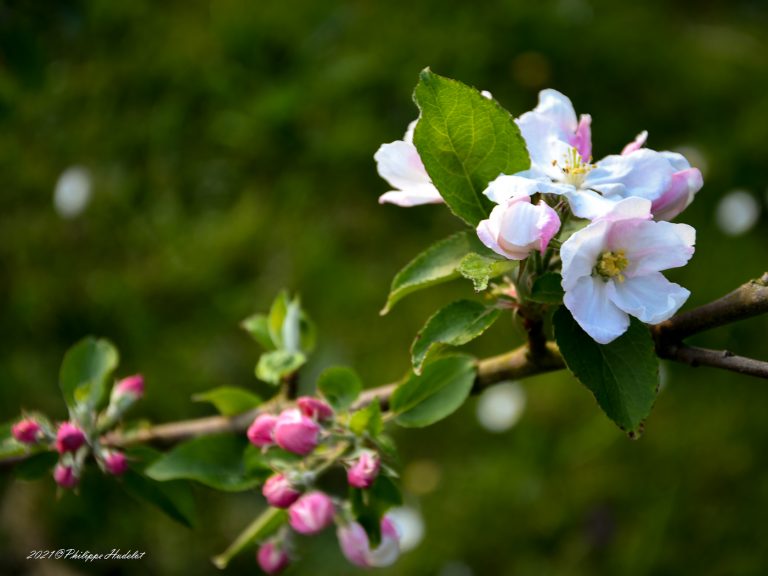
537 357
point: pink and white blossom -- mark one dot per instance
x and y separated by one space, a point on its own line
364 471
295 432
261 432
516 226
399 164
311 513
69 438
612 269
27 431
357 549
272 558
279 491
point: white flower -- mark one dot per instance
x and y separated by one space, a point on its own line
399 164
612 269
560 149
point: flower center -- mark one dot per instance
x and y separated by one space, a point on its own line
574 168
611 265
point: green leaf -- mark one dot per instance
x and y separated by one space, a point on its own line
216 461
340 386
85 371
228 400
454 325
173 498
289 326
258 327
623 375
438 392
275 365
546 289
481 268
277 318
370 505
438 263
266 524
465 141
368 420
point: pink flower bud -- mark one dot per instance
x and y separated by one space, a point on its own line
132 385
364 471
279 492
295 432
314 408
65 476
311 513
26 431
69 438
272 558
261 432
115 463
357 549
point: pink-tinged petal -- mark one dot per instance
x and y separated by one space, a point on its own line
580 252
519 229
388 549
132 385
416 196
632 208
548 224
364 471
65 476
487 230
356 548
272 558
679 195
591 307
399 164
295 432
314 408
644 173
279 492
261 432
558 109
651 246
651 298
115 463
582 139
27 431
636 144
677 160
311 513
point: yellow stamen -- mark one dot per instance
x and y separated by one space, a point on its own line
612 264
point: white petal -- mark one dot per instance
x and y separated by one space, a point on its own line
580 252
519 228
677 160
399 164
589 303
545 142
589 204
651 246
415 196
558 109
644 173
505 188
651 298
629 208
409 132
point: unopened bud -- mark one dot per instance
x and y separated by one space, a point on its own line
279 492
65 476
314 408
69 438
272 558
115 463
357 548
131 386
311 513
27 431
296 433
363 472
261 432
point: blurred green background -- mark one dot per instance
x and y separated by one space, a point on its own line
229 145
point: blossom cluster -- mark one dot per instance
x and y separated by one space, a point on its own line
621 238
76 439
302 430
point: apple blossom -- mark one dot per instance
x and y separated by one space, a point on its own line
261 431
27 431
314 408
69 438
365 470
65 476
295 432
115 463
612 269
132 385
357 549
399 164
311 513
279 492
516 226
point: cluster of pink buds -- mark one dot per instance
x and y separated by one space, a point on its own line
299 430
76 440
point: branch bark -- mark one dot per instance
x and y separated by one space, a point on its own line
750 299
